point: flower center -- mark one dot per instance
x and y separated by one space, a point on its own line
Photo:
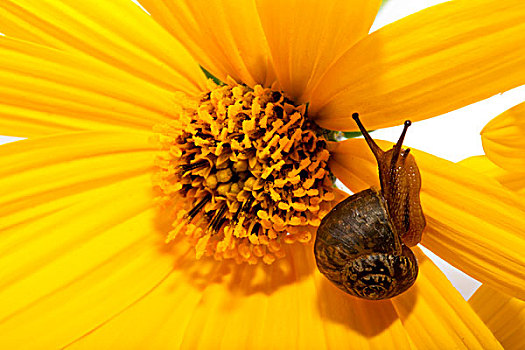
246 172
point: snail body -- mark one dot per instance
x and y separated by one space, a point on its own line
362 244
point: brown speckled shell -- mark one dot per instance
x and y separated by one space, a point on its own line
358 249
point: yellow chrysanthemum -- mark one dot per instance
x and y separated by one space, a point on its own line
84 263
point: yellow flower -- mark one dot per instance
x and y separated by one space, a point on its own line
504 162
503 314
504 147
503 139
83 260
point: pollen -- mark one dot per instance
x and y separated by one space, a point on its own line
244 172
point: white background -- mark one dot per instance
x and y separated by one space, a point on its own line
453 136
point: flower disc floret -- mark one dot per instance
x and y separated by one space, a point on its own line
245 171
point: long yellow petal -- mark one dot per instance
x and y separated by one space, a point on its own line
473 222
437 317
432 62
288 305
504 315
225 36
38 175
504 139
514 181
80 239
117 32
47 91
306 37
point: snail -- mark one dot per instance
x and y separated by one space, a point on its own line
362 243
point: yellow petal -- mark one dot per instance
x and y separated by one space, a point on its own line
473 222
483 165
503 139
306 37
514 181
47 91
39 175
504 315
117 32
80 239
437 317
287 305
225 36
427 64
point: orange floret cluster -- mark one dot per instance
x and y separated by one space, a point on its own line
246 172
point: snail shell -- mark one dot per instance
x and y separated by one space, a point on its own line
362 244
358 250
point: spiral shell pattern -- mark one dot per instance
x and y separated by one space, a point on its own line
358 250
